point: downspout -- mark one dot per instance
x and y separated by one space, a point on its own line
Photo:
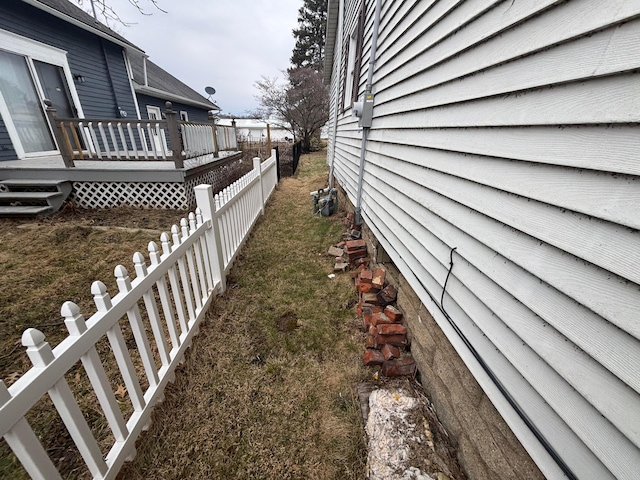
334 123
367 90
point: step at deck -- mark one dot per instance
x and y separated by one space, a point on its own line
23 211
24 197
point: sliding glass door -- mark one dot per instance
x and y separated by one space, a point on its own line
24 105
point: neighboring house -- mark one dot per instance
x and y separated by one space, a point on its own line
51 49
505 142
255 130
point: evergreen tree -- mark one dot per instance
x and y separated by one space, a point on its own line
310 35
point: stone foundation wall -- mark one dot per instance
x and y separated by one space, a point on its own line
487 448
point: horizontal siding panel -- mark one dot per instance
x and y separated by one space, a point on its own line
611 149
557 433
601 100
605 195
430 22
596 241
606 343
612 51
566 21
598 387
510 131
6 146
615 451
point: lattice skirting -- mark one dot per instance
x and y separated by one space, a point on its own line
179 196
133 194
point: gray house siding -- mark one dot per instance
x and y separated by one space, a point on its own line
195 114
106 88
6 148
509 130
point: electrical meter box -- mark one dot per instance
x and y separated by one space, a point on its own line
364 110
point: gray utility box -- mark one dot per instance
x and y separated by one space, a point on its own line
364 110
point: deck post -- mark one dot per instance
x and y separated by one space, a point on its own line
268 139
174 136
207 205
212 119
63 143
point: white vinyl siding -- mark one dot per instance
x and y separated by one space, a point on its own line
510 130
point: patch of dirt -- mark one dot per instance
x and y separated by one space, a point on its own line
287 322
128 217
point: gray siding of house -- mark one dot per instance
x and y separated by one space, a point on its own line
510 131
195 114
106 87
6 148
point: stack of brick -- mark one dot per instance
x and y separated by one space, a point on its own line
386 340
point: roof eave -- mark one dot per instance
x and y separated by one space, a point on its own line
333 9
156 92
78 23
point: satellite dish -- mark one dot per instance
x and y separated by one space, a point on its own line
210 90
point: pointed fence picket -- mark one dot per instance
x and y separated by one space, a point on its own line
195 260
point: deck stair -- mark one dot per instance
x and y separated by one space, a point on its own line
23 197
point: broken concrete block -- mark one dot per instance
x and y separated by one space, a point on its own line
340 267
335 252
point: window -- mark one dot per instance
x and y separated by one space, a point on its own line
30 72
353 56
184 115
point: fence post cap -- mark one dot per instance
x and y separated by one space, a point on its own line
32 337
120 271
138 258
153 246
98 288
69 309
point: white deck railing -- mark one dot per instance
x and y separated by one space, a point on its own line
185 274
226 137
198 140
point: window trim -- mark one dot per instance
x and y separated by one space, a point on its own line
184 115
352 55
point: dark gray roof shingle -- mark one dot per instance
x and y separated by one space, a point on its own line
75 12
162 80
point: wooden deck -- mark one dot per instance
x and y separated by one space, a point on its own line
93 170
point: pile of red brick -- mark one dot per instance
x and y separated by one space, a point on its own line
386 340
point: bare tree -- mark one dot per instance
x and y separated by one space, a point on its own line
103 11
301 104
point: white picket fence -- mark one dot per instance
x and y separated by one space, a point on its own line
185 273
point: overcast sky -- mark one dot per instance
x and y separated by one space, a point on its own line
226 44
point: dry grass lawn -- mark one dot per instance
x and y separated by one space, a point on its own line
267 389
